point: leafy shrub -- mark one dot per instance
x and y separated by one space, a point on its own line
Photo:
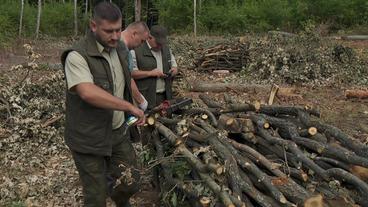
58 19
261 15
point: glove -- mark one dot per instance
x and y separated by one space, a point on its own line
144 104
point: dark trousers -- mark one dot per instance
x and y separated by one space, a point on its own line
102 176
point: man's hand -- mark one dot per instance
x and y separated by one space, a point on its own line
139 114
157 73
173 71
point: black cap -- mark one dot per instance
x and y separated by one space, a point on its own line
159 33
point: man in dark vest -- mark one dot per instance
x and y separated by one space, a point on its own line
154 67
98 101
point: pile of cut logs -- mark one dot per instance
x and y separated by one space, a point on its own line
223 57
259 155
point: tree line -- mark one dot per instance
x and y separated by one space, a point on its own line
30 18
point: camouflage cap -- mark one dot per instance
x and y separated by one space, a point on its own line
159 33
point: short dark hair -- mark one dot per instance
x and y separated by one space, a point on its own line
106 11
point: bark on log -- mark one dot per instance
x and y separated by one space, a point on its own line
258 158
361 94
273 93
168 134
290 145
193 111
229 155
191 192
331 131
355 37
360 172
224 87
334 162
290 131
315 201
345 176
209 101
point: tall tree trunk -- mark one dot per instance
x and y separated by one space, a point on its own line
38 18
195 18
75 19
21 17
86 10
137 9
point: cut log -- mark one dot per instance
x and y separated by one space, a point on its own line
355 37
288 93
356 94
273 93
150 120
209 101
361 172
247 125
315 201
193 111
223 87
205 201
204 116
230 124
221 72
281 33
331 131
168 134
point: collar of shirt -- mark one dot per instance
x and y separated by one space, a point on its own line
149 46
102 49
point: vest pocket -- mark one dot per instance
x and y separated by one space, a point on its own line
104 84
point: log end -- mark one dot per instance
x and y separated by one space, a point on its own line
219 170
282 199
178 142
312 131
314 201
257 106
266 125
360 172
205 201
150 121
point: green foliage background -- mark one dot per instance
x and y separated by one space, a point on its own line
214 16
237 16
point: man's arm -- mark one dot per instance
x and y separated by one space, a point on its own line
80 80
139 74
138 97
98 97
174 65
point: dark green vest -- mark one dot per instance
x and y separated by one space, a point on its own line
88 128
146 61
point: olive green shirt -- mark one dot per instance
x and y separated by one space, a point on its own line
77 71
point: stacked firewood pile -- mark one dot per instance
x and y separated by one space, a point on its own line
232 57
257 155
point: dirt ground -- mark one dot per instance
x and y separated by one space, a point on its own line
350 115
